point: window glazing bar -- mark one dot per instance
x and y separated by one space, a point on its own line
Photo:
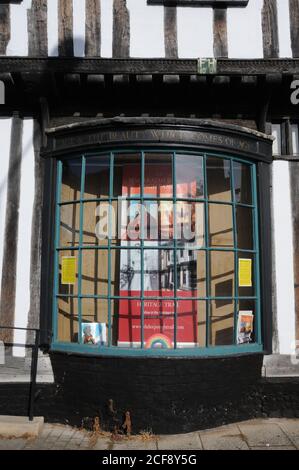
80 251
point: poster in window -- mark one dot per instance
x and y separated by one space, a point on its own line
158 268
245 327
94 334
68 270
245 270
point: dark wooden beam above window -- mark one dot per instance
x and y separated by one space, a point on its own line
221 66
200 3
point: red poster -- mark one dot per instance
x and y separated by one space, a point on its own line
158 279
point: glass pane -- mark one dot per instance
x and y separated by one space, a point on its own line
221 322
158 175
218 179
190 223
246 322
154 221
126 177
246 274
222 272
242 183
158 323
127 323
115 272
94 272
94 322
158 221
97 171
68 272
67 321
189 176
71 180
277 144
295 138
119 209
159 273
191 323
244 228
69 225
128 264
221 225
95 223
191 273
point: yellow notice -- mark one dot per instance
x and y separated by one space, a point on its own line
68 270
245 269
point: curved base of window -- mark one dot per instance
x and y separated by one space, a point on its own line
187 352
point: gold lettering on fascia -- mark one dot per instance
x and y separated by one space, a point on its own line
157 135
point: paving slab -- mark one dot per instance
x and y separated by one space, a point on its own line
135 444
295 441
290 427
102 444
223 438
190 441
259 434
274 448
12 444
20 426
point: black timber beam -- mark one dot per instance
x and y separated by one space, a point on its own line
147 66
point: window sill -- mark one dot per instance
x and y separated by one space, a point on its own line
218 351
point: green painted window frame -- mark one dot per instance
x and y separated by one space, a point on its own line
234 349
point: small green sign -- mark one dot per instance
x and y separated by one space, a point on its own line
207 66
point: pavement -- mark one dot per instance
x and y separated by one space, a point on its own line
258 434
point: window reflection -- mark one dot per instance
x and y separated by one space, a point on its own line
242 183
244 227
71 180
218 179
221 225
222 323
189 176
97 173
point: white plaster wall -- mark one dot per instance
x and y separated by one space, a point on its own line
194 25
284 268
27 188
18 44
146 29
195 32
5 130
284 34
53 28
79 27
106 27
244 31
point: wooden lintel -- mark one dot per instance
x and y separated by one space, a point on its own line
147 66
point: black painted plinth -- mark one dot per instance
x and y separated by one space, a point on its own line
163 395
